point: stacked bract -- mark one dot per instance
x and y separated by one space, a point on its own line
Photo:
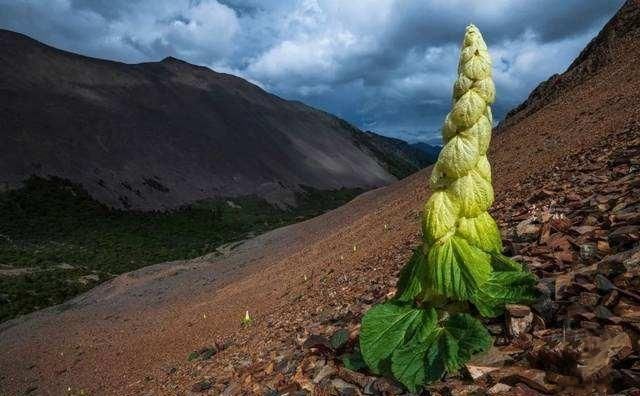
423 331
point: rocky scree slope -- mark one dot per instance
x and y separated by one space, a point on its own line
566 182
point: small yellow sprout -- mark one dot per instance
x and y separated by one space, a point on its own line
247 320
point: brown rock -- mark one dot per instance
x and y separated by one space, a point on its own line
324 372
627 311
353 377
562 380
584 229
629 217
561 284
596 355
528 230
517 311
617 264
603 246
610 299
519 319
494 357
499 389
624 235
476 372
201 386
530 377
589 299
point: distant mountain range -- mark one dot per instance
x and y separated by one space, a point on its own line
432 151
160 135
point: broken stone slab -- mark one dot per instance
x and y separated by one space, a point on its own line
528 230
533 378
617 264
323 373
494 357
624 235
519 319
561 379
344 388
499 389
589 299
597 355
627 311
477 372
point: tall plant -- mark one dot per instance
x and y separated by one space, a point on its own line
426 330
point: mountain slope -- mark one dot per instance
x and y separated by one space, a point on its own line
163 134
318 273
431 150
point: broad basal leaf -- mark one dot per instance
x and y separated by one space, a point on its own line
408 360
428 355
500 262
471 336
409 284
408 365
384 328
456 269
504 287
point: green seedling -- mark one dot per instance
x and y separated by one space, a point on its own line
247 320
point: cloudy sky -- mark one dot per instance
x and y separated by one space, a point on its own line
384 65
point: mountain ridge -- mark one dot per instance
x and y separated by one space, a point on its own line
316 277
159 135
596 55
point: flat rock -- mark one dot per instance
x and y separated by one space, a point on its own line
519 319
499 389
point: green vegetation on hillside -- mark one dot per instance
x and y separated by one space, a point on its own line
64 242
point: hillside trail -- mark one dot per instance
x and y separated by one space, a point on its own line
133 334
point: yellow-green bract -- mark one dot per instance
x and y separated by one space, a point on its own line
458 231
462 242
417 336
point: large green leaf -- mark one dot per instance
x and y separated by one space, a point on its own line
408 360
408 364
428 354
471 336
500 262
504 287
410 284
456 269
384 328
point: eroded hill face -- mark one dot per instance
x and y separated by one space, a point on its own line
164 134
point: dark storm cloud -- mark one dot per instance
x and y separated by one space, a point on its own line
385 65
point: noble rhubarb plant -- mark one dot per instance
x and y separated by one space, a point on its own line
428 328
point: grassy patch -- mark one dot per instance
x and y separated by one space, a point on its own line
49 222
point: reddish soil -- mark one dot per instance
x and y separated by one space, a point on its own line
133 335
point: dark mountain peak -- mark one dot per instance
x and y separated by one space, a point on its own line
615 43
172 60
160 135
624 25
